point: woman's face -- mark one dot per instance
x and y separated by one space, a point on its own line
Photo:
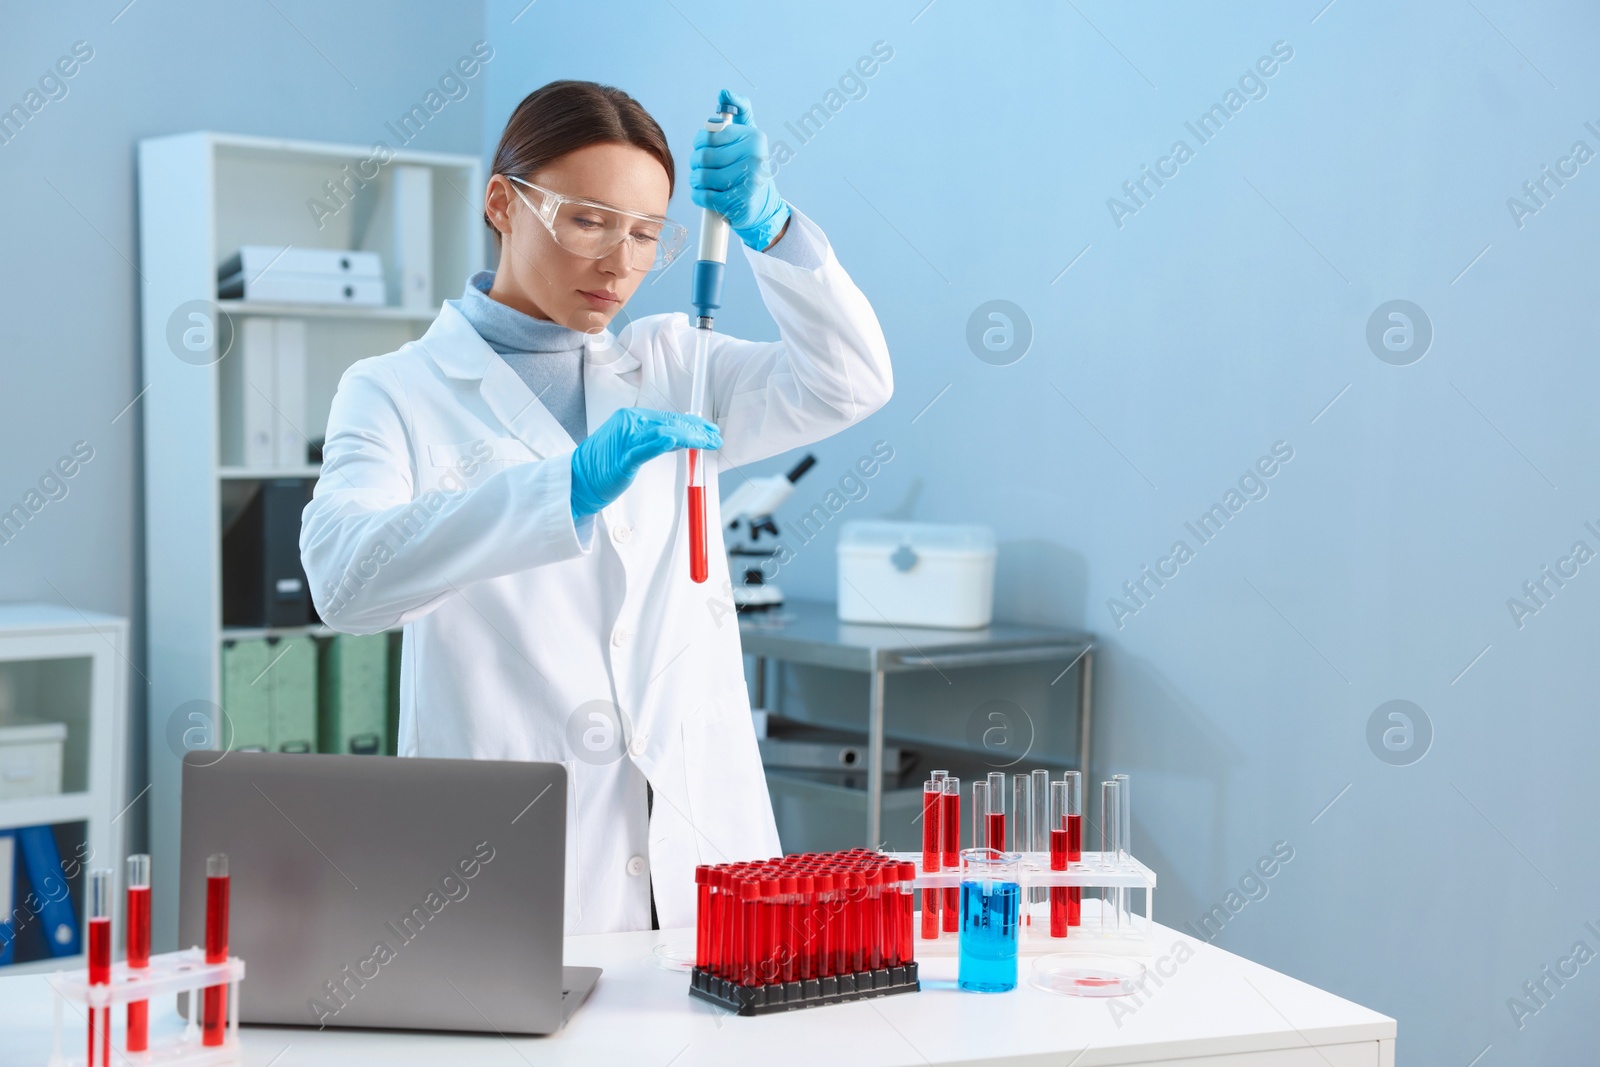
540 278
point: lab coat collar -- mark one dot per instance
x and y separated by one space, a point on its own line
458 351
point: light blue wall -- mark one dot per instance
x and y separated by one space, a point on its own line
69 350
1221 318
1218 320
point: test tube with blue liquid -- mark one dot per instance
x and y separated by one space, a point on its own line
991 902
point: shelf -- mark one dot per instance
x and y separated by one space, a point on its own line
46 811
264 473
326 311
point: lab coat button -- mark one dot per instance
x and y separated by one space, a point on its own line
636 865
619 637
622 532
639 741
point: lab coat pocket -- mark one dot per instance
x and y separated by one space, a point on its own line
727 789
468 463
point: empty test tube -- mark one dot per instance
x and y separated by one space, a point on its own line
1110 851
1020 828
1040 821
1124 839
980 814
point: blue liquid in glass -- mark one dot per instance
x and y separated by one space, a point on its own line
989 936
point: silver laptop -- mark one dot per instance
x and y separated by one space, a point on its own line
367 891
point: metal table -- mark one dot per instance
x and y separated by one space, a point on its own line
809 632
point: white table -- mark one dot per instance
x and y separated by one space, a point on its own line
1216 1010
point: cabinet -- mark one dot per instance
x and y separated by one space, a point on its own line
63 689
201 197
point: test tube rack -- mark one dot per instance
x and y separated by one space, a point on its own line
803 931
170 972
1100 931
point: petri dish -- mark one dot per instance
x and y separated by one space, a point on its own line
1074 975
675 955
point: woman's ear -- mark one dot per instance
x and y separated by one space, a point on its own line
497 204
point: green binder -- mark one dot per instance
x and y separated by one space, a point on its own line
353 680
245 695
293 693
392 738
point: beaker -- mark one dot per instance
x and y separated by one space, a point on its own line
991 899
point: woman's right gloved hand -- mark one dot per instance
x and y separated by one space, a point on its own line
606 461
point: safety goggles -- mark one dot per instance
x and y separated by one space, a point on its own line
592 230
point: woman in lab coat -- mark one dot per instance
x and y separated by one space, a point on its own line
508 490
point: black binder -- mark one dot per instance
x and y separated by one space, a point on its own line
263 583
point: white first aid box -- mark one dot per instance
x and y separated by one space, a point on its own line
916 574
30 760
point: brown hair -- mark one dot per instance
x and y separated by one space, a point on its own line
567 115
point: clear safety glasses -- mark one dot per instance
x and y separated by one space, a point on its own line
592 230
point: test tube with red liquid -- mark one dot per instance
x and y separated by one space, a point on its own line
214 999
99 941
995 821
950 853
1058 858
699 566
136 933
1074 783
932 843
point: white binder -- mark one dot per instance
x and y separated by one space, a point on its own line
248 384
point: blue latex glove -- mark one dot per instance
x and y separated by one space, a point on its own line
729 172
606 461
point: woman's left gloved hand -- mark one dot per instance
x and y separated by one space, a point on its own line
729 172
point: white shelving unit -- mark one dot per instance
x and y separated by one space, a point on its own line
60 666
202 196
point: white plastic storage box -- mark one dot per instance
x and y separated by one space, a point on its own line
30 760
916 574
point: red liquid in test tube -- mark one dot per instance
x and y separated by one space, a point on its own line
932 845
698 566
214 1017
1073 780
99 949
995 827
137 935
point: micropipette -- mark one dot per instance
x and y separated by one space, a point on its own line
708 270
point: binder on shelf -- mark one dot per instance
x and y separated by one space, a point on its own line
353 687
401 224
256 260
247 382
292 693
263 583
263 395
58 921
244 700
301 275
289 393
277 288
8 895
392 704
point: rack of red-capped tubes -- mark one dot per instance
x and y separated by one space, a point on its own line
804 930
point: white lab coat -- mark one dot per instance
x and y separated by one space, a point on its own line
444 506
